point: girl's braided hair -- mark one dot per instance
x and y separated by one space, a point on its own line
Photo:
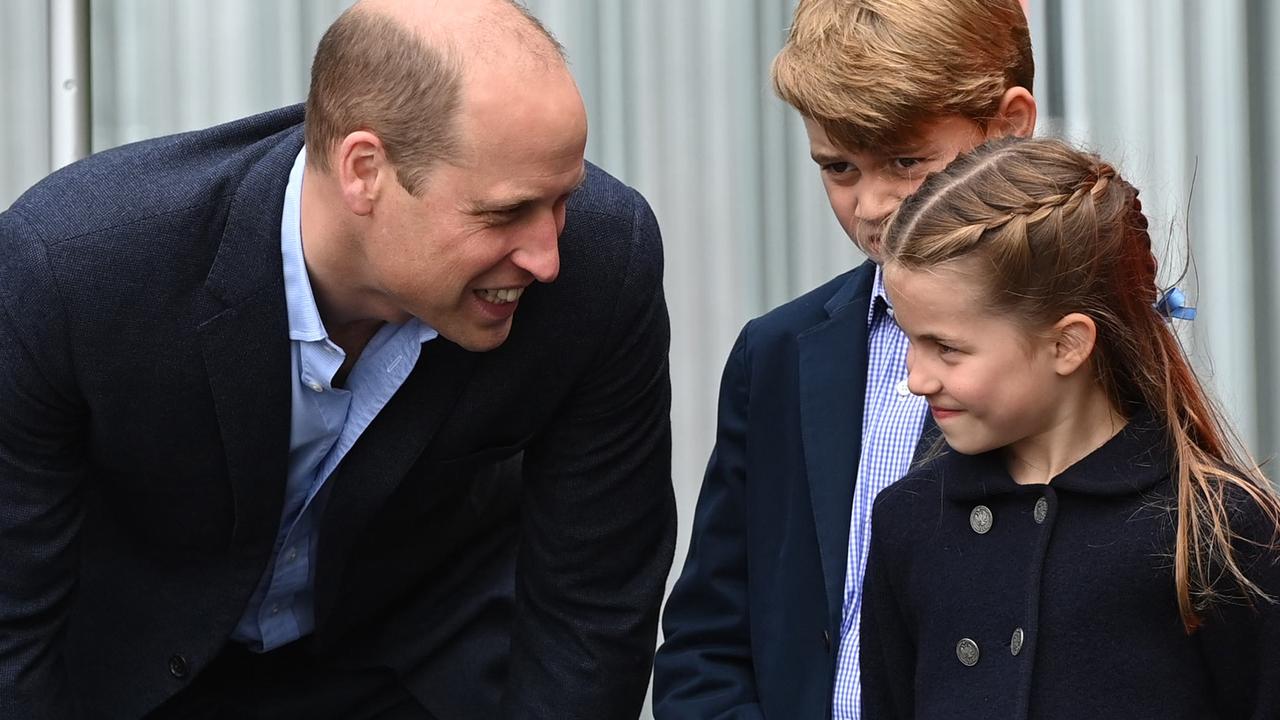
1056 230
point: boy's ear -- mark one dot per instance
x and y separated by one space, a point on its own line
1074 337
1016 115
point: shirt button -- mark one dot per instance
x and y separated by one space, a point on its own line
1041 511
1015 643
178 666
903 390
981 519
275 609
315 386
291 555
967 652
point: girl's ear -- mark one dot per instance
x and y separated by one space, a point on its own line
1074 338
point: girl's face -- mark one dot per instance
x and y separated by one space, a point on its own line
990 383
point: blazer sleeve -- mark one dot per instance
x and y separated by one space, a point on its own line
598 517
1241 641
888 654
704 668
41 470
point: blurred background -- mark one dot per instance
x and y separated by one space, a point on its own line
1172 91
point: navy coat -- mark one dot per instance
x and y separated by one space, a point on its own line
988 599
144 430
752 624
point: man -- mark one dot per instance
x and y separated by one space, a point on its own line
815 415
374 427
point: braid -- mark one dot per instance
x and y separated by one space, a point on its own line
1095 184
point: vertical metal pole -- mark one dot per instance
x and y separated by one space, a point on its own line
69 81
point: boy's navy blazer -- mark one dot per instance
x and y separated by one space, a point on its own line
144 430
752 625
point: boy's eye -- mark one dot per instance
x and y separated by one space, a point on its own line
944 349
906 163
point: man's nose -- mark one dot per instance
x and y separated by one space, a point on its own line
539 250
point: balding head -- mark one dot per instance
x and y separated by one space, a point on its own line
399 68
477 29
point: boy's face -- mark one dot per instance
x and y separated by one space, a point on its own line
865 187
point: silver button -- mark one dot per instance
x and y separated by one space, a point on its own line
1041 511
981 519
1015 643
902 389
967 651
315 386
275 609
292 555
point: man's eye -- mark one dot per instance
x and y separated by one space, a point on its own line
837 168
501 217
944 349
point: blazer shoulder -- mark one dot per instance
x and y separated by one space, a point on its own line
846 292
152 178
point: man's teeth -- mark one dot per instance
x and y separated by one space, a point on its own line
502 296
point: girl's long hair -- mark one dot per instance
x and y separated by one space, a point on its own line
1060 232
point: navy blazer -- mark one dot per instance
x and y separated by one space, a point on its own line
752 625
501 533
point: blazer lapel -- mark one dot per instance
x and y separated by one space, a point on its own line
244 333
833 374
384 454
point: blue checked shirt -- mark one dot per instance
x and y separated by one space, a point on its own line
892 419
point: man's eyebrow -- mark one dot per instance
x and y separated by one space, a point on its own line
516 202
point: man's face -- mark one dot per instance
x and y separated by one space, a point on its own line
487 224
866 187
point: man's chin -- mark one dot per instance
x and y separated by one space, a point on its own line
474 339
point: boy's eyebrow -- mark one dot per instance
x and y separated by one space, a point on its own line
823 158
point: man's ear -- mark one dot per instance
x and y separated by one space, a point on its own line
362 169
1074 338
1016 115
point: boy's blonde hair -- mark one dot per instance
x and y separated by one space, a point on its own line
870 72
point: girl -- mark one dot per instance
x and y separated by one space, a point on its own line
1095 545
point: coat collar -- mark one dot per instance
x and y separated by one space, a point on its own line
1132 462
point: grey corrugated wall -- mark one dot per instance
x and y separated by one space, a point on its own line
680 107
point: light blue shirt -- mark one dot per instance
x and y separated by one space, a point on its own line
892 419
324 423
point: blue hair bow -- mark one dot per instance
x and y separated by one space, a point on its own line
1173 304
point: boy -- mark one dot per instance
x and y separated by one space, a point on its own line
815 417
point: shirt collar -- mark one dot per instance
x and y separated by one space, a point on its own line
877 293
1133 461
304 317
